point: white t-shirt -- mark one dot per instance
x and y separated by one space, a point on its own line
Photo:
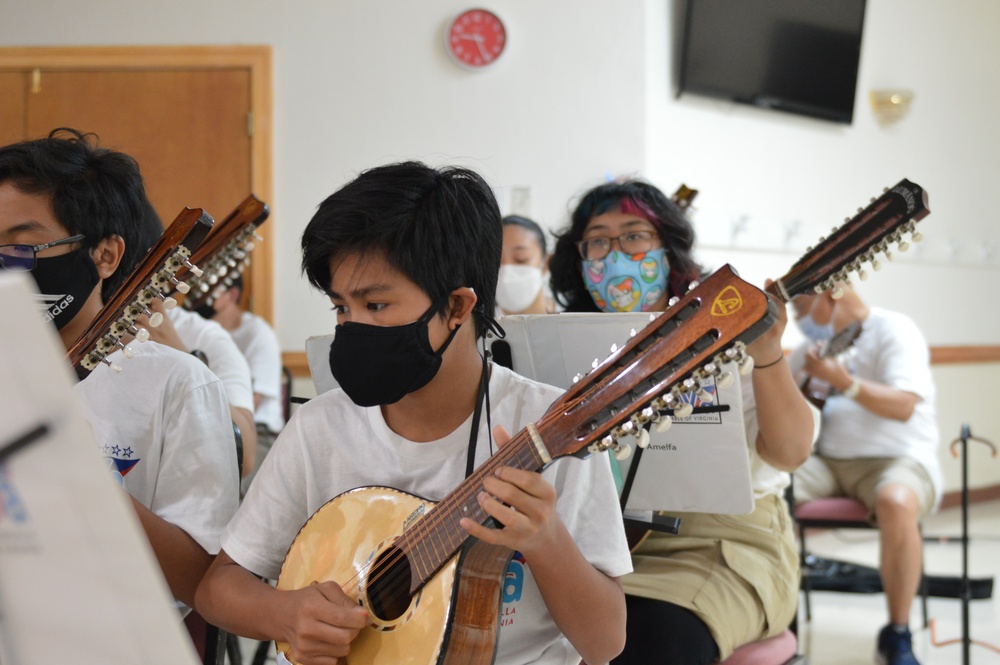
164 428
259 345
331 445
892 351
224 357
765 478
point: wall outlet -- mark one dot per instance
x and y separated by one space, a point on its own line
520 201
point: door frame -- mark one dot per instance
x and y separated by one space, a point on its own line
255 58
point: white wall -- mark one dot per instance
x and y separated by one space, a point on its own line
586 90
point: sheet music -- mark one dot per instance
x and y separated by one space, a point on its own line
78 580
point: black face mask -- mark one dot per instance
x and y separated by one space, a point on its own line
378 365
65 283
206 311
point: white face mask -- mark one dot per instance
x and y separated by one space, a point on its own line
518 286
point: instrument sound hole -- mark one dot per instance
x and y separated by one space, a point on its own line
389 585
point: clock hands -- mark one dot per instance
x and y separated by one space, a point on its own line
479 44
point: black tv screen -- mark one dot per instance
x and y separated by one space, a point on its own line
799 56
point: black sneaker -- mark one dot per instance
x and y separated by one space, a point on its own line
895 647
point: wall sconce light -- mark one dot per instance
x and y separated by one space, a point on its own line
889 106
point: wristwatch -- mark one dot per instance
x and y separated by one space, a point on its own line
851 391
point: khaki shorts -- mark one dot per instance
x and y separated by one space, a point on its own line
737 573
862 478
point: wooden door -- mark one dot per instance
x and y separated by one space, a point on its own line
187 129
13 86
197 119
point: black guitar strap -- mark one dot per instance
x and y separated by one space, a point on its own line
482 396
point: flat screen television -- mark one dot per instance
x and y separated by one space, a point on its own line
799 56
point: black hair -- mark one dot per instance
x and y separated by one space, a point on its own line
530 225
675 230
439 227
94 191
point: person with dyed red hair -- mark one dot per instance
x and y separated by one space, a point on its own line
723 580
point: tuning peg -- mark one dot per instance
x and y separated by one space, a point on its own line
837 293
576 379
627 427
168 303
127 349
594 364
607 442
195 270
725 380
614 348
705 396
916 236
114 368
888 254
632 333
213 279
663 423
642 439
693 285
181 286
647 414
683 410
903 245
622 452
746 364
155 318
141 334
256 237
876 266
673 301
862 274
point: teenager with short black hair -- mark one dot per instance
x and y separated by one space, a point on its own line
409 257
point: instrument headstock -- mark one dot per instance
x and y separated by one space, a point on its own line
841 341
153 277
884 221
644 381
684 197
225 253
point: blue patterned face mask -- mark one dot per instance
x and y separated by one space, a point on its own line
627 282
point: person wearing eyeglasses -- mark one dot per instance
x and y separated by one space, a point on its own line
723 580
69 216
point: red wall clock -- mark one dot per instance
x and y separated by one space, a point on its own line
476 38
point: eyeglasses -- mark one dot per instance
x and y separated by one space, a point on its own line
633 242
22 257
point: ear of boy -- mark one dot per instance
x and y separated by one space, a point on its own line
108 255
461 302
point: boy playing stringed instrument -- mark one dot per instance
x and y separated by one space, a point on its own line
409 256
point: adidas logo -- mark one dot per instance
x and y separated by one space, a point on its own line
53 305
